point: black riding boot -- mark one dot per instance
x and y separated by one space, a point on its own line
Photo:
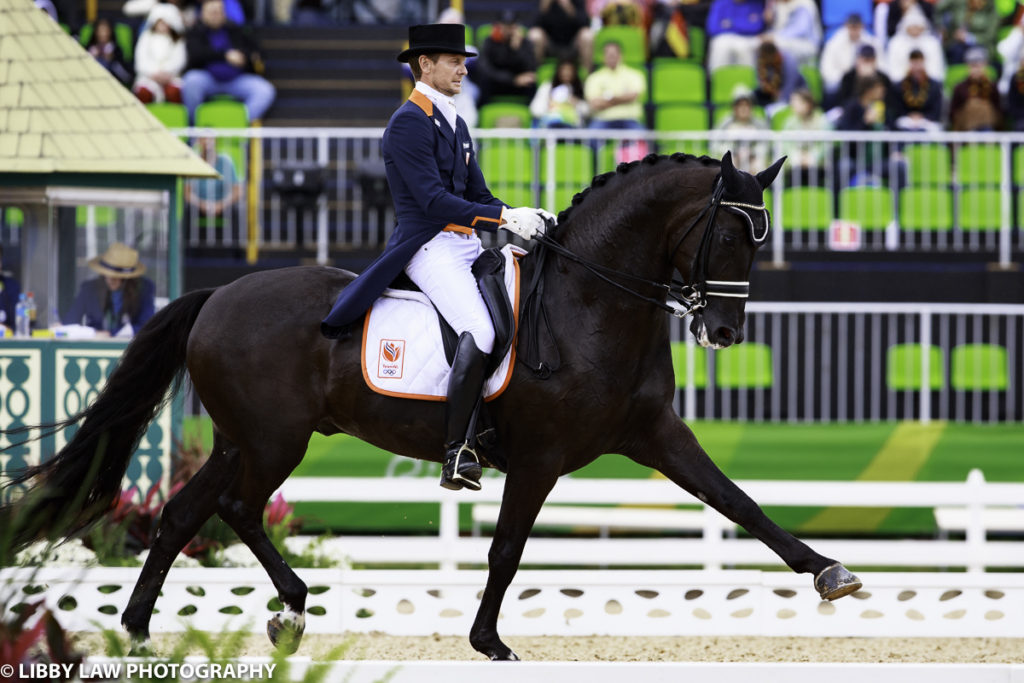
461 465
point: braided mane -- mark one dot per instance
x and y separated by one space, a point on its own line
601 180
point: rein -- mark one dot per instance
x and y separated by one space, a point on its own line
686 297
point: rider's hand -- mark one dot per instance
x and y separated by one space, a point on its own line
523 221
547 216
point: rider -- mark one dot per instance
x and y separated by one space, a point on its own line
440 200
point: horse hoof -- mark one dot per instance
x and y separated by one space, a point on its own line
835 581
285 631
507 656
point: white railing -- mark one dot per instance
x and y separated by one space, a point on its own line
948 192
855 362
712 550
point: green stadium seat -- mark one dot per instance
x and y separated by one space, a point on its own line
514 194
698 43
806 208
222 114
929 164
171 114
979 367
980 209
124 36
669 117
780 117
505 115
506 161
13 217
632 40
472 37
812 75
104 215
903 367
869 207
725 78
926 208
700 365
979 164
744 366
677 80
563 196
574 164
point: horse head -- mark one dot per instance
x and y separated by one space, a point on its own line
723 259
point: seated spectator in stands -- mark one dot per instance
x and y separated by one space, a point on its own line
777 77
1011 50
862 163
964 24
806 159
615 93
914 33
865 66
137 11
670 34
619 12
559 103
119 297
212 198
975 102
10 290
840 55
916 100
507 64
867 110
106 51
795 27
889 13
160 56
746 153
733 30
221 61
562 30
1015 98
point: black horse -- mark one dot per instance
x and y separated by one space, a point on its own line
269 380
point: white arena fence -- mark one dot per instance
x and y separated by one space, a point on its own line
323 189
716 544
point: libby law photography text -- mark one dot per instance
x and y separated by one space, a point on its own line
134 670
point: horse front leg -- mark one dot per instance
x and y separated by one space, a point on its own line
526 488
672 449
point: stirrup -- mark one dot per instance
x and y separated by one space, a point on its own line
461 469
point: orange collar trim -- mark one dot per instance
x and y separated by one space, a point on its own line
422 101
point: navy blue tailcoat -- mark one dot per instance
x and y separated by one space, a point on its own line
435 184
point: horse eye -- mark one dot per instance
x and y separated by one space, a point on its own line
728 239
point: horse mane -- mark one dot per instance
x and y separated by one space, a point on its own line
624 168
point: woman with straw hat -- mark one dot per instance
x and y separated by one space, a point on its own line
119 297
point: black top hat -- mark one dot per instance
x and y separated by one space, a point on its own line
449 39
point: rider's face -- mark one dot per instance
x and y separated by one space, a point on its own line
445 76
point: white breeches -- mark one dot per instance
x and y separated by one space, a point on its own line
441 268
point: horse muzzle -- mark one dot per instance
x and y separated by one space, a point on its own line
714 336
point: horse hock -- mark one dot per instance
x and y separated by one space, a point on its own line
285 630
835 581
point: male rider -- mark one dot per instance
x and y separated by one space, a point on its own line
441 200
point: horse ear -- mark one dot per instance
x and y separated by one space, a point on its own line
730 176
767 176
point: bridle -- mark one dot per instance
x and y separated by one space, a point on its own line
686 297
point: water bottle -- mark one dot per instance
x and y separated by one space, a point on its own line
30 305
21 317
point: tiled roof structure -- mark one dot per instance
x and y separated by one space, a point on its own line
62 112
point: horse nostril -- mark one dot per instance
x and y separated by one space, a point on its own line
725 334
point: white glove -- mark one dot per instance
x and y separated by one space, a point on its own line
523 221
547 216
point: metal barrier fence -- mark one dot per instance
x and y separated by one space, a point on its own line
323 189
854 362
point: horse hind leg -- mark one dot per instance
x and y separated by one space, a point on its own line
672 449
181 519
241 507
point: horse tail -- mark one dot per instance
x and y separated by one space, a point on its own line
79 484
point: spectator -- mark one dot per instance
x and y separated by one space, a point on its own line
559 103
917 99
889 13
222 59
867 110
119 297
975 104
865 66
615 93
212 198
806 159
670 27
1011 50
562 30
1015 97
733 29
795 27
106 51
860 163
10 290
777 77
914 33
160 56
507 64
964 24
465 99
840 54
747 154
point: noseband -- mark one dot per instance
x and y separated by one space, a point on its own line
687 297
